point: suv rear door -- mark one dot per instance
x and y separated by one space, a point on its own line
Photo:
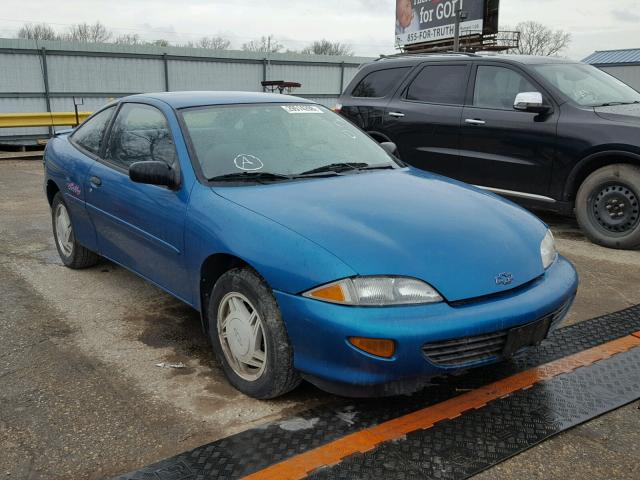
501 147
423 119
365 103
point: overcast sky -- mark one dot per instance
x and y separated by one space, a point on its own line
368 25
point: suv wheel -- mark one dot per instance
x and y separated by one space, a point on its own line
249 336
608 206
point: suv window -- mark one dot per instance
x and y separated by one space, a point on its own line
379 83
140 133
497 87
89 135
444 84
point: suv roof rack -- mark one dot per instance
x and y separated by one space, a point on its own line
410 55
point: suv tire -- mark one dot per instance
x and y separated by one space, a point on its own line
249 336
608 206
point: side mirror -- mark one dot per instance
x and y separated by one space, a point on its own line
530 102
153 173
390 147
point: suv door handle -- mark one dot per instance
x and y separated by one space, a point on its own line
396 114
473 121
95 181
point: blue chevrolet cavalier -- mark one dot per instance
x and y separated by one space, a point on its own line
310 250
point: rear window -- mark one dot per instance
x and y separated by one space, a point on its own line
379 83
445 84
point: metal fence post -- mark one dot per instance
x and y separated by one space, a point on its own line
165 62
45 81
264 72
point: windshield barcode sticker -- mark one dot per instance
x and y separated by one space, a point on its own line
301 108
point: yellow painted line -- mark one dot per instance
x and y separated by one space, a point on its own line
332 453
41 119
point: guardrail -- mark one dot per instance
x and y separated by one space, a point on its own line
42 119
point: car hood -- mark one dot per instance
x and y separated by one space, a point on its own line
409 223
620 113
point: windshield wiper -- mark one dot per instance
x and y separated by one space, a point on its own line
345 167
612 104
250 176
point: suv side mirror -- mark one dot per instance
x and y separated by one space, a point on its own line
153 173
530 102
390 147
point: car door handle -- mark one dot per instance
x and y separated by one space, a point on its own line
95 181
474 121
396 114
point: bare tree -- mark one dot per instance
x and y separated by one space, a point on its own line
161 42
84 32
211 43
538 39
264 44
326 47
129 39
37 31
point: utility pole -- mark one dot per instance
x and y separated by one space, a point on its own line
460 17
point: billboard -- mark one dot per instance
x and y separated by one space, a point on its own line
422 21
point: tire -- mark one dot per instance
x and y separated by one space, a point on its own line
72 254
236 296
608 206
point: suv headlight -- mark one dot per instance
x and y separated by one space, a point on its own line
548 251
376 291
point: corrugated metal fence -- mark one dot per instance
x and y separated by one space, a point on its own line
46 76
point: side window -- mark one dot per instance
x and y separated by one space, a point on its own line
445 84
379 84
140 133
90 134
497 87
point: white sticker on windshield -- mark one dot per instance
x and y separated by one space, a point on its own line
247 162
302 109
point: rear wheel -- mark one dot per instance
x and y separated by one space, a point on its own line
72 254
608 206
249 336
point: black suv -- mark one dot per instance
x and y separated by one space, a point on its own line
543 131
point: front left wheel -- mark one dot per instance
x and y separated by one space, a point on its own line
72 254
249 336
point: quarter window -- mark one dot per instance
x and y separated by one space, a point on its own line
444 84
497 87
90 134
379 83
140 133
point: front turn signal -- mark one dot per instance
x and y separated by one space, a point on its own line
379 347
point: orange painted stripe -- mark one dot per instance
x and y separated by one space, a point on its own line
332 453
637 334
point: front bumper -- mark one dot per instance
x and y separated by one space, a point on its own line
319 331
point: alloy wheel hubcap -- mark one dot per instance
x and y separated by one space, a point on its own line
241 336
64 231
615 208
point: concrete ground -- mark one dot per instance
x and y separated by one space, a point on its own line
81 395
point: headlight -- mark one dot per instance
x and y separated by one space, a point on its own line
376 291
548 250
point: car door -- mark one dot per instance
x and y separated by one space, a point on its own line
139 226
87 140
424 118
501 147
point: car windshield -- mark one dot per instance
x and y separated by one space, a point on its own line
587 85
276 141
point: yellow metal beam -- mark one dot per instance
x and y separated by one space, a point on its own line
41 119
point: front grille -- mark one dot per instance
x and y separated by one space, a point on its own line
467 350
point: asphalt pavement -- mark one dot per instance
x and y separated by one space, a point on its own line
82 395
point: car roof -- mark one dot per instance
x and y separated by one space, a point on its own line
413 58
195 99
